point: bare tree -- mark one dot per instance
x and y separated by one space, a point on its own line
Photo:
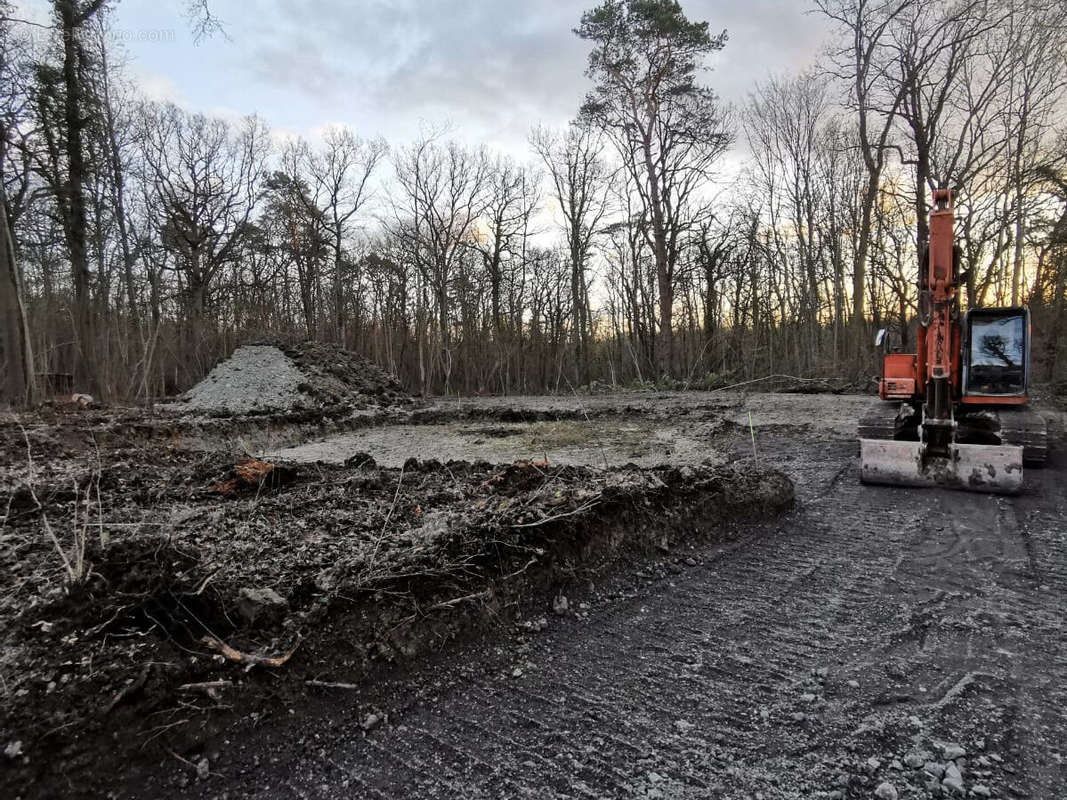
340 178
1034 39
784 124
441 192
581 184
19 385
114 123
64 113
865 28
511 200
203 181
668 130
925 59
297 231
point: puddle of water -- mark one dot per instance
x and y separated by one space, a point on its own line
596 443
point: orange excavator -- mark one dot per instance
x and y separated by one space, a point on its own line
955 412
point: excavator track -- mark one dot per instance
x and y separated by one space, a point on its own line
879 421
1020 427
889 454
1027 429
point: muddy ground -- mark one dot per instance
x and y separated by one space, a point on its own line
865 638
601 431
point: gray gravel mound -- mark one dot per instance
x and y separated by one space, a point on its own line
255 379
272 378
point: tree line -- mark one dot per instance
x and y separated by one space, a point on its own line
661 237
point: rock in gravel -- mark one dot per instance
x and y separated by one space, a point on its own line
807 698
203 769
953 781
886 791
13 749
263 605
914 759
950 751
684 726
853 684
370 722
872 764
935 769
560 604
981 790
896 765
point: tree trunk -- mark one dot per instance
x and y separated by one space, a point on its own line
118 190
338 287
859 273
1020 241
578 317
20 385
75 227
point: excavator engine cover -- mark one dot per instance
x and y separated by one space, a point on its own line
987 468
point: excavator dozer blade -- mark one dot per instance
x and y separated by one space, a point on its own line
996 469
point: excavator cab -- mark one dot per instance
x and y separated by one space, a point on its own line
996 355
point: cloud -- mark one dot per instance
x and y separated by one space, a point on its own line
157 87
493 68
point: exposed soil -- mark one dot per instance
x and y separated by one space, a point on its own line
867 637
208 587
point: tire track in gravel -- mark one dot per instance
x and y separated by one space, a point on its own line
867 622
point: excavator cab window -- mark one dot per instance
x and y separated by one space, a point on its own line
997 352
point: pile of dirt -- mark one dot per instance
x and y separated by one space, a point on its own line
207 583
335 375
269 378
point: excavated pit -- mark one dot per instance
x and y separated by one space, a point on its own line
200 568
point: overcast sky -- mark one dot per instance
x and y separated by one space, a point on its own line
493 68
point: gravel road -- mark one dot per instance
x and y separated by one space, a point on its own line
874 642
